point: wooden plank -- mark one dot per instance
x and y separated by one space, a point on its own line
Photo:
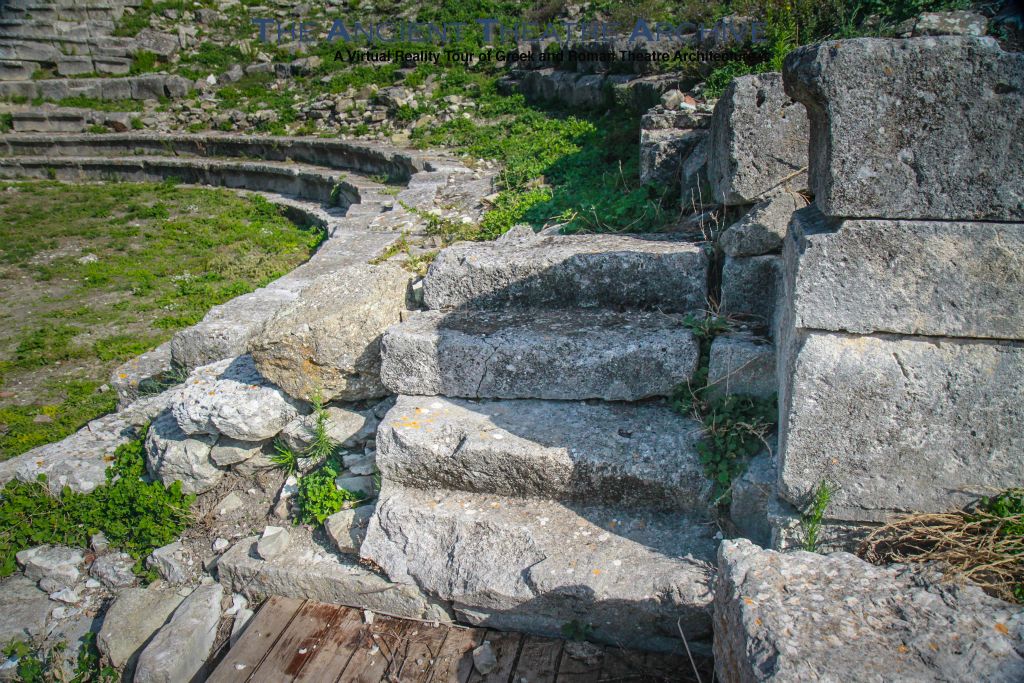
335 650
573 670
538 660
423 644
368 667
454 662
506 649
297 644
260 635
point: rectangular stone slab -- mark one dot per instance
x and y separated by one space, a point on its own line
566 450
939 278
927 128
568 271
539 354
901 424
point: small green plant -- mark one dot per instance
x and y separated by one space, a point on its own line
143 62
577 630
97 128
322 446
137 123
6 122
736 429
284 457
319 497
811 522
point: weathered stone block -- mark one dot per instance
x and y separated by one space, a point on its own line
899 423
634 455
909 277
172 455
751 495
925 128
750 287
762 229
560 271
758 141
740 365
179 650
132 619
539 354
329 341
662 153
805 617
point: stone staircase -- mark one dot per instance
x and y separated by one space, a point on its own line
511 493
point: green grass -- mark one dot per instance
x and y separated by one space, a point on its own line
100 105
92 275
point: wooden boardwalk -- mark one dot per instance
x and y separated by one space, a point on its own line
298 640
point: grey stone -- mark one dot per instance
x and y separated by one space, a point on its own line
329 342
789 530
114 570
535 565
484 659
750 496
695 190
363 486
239 623
230 503
55 567
741 365
955 23
232 398
750 288
662 153
66 595
615 453
804 617
347 528
172 455
570 271
342 425
170 562
308 571
900 424
135 615
762 229
227 451
23 609
179 650
872 156
272 543
99 543
933 278
759 141
539 354
362 464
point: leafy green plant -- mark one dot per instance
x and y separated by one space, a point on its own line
577 630
135 516
736 428
811 522
143 62
6 122
319 497
284 457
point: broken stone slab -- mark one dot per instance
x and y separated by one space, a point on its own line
662 153
232 398
170 562
227 451
539 354
801 617
172 455
24 609
114 570
742 365
179 650
953 23
310 571
342 426
535 565
920 128
272 543
750 496
135 615
133 377
329 341
758 141
935 278
762 229
361 464
750 288
53 566
363 486
347 528
633 455
899 424
570 271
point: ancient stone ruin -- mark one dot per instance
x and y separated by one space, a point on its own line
510 415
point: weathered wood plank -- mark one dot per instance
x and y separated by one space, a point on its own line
367 666
582 670
297 644
260 635
336 649
454 662
506 649
422 646
538 659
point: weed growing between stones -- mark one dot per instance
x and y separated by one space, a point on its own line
811 521
736 426
319 497
983 543
285 458
37 666
136 516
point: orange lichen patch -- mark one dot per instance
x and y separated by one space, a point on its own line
409 424
757 622
1001 628
903 649
108 458
595 572
122 375
748 601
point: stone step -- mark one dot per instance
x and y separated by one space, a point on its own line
538 566
569 271
539 354
635 455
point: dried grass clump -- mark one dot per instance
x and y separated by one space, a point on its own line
983 544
